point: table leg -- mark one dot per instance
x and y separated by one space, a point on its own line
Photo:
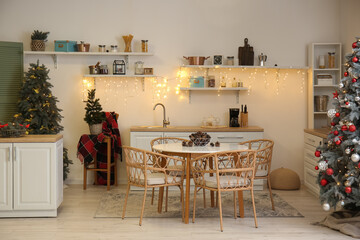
212 199
241 204
187 190
161 197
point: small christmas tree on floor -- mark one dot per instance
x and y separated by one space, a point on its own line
37 106
338 165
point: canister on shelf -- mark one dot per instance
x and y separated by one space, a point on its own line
144 45
139 68
321 61
101 48
104 69
114 48
211 81
331 59
230 60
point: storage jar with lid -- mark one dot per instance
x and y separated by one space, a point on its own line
144 45
114 48
101 48
104 69
139 68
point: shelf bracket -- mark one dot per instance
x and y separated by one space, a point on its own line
189 97
143 84
54 56
237 96
127 62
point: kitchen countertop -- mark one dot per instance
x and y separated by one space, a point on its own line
320 132
194 129
32 139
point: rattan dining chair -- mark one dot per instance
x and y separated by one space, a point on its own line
264 149
163 140
149 170
229 171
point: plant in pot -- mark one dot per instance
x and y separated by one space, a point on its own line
38 39
94 115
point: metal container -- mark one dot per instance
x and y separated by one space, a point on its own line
196 60
321 103
93 69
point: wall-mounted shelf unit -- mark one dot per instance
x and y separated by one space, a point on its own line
318 119
56 54
236 90
234 66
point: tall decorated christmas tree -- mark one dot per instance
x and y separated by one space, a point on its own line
37 106
338 165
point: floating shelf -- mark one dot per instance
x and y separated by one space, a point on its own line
237 90
326 86
320 113
118 76
56 54
233 66
327 69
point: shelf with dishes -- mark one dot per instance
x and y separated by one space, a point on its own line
55 54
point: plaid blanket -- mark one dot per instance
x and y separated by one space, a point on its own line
90 146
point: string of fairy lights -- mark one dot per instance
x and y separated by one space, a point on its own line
121 89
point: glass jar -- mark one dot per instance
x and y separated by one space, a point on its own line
114 48
321 61
211 81
223 82
101 48
144 45
139 68
230 60
331 59
104 69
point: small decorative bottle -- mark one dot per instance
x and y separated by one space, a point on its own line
234 84
223 82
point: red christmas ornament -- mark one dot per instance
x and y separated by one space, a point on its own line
354 80
329 171
333 124
336 94
317 153
347 103
344 128
348 189
354 45
346 74
355 59
338 142
337 114
323 182
359 165
317 168
352 128
336 132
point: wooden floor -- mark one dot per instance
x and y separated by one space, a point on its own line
76 221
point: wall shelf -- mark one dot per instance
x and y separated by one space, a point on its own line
237 90
56 54
254 67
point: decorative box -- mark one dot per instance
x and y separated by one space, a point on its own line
324 79
65 46
196 82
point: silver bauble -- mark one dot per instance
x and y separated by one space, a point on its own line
342 203
331 113
326 206
357 98
355 157
348 151
323 165
341 85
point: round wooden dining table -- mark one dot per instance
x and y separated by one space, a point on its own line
176 149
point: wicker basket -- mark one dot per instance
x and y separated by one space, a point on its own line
95 129
200 138
37 45
10 133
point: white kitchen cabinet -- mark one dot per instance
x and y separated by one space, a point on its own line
31 182
142 139
310 161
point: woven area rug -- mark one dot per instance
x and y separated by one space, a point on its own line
111 205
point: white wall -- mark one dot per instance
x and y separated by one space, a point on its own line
349 26
282 29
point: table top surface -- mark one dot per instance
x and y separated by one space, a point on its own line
178 148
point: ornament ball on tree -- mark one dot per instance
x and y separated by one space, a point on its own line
317 153
329 171
336 132
348 190
323 182
355 59
352 128
354 45
337 114
346 74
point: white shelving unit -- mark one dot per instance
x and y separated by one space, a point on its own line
236 90
233 66
56 54
318 119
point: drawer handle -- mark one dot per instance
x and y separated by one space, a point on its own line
311 140
232 137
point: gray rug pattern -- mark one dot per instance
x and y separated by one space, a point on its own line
111 205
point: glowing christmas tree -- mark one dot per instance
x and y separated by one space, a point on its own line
338 165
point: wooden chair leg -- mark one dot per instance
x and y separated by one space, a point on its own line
235 213
126 198
217 201
220 210
166 199
253 203
85 177
271 196
108 164
182 201
143 206
193 219
152 196
115 172
204 197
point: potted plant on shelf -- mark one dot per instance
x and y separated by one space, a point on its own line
94 115
38 39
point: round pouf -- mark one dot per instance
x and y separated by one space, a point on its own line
284 179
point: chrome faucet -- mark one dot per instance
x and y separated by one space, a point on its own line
165 122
